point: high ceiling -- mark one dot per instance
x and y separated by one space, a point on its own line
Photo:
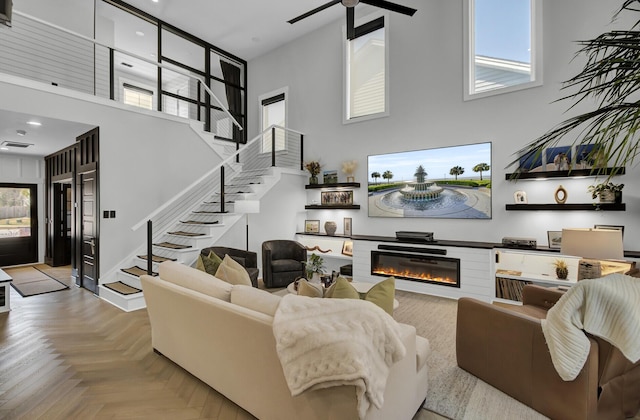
247 29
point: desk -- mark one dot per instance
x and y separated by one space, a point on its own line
5 293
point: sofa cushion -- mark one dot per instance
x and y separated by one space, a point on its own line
279 266
193 279
208 264
232 272
255 299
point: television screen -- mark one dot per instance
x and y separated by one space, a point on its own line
447 182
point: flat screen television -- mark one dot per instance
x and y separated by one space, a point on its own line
446 182
5 12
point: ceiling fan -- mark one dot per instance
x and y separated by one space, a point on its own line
350 4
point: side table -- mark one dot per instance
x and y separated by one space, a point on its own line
5 293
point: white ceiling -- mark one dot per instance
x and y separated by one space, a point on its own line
246 29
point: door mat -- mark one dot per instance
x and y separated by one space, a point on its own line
123 289
28 281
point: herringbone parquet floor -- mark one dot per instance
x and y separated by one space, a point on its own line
70 355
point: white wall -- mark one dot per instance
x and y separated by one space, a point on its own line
427 110
145 157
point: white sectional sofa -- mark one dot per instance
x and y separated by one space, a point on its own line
223 335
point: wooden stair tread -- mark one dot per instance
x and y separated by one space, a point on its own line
172 246
137 271
183 233
197 222
157 258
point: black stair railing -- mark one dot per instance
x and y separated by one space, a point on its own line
150 248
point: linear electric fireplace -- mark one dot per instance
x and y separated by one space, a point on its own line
423 268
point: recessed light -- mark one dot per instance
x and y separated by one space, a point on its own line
36 123
21 132
4 148
139 33
155 1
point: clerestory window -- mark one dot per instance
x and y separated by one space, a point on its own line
503 48
366 75
274 112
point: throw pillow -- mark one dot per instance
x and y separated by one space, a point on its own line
255 299
342 289
309 289
208 264
383 294
232 272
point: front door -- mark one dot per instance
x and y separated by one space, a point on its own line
18 224
89 235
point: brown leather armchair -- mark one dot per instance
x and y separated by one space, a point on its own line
247 259
505 347
282 262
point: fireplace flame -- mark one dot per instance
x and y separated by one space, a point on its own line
390 271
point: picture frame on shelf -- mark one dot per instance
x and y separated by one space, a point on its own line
610 227
555 239
520 197
312 226
330 177
336 198
348 231
347 248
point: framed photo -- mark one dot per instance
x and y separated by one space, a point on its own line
336 198
347 226
555 239
330 177
347 248
520 197
312 226
610 227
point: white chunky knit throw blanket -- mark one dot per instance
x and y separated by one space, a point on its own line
607 307
331 342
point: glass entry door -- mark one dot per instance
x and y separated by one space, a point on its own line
18 224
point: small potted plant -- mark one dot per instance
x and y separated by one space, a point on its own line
314 169
607 192
562 271
314 267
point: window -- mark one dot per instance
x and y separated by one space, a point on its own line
273 112
136 96
367 72
503 46
15 212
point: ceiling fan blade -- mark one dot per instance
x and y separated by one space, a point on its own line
384 4
351 29
314 11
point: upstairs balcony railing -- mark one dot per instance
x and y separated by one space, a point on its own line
274 147
35 49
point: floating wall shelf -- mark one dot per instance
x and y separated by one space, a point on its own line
335 185
568 207
566 174
322 207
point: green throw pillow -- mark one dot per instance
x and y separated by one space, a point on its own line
342 289
208 264
383 294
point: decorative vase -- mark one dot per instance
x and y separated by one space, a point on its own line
618 197
330 228
562 273
608 197
313 180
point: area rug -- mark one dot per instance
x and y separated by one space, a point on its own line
453 392
29 281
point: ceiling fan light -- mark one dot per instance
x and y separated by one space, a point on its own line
350 3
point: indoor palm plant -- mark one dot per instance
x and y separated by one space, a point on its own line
611 78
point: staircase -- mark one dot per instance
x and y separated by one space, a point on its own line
198 217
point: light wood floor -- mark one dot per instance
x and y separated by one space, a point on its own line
70 355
